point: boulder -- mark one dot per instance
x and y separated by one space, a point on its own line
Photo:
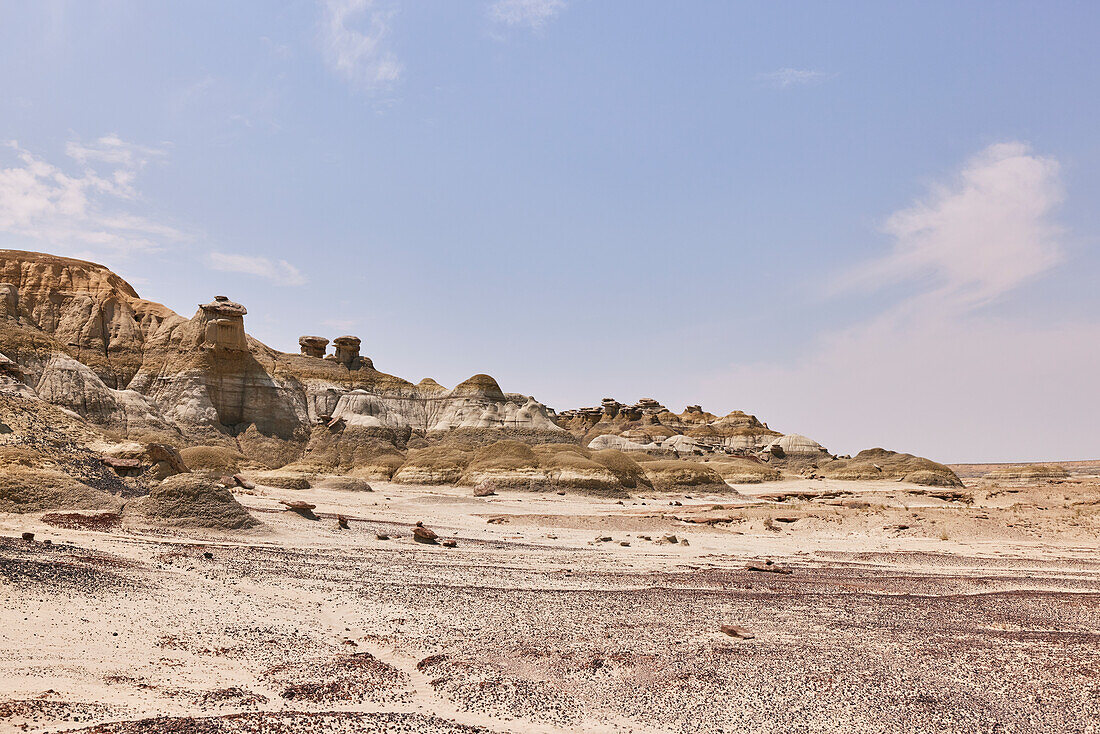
243 483
305 509
424 535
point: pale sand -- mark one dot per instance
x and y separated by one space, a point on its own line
903 612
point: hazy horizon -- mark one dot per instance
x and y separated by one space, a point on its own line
873 226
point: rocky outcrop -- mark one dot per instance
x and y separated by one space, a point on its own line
649 426
884 464
76 336
34 490
80 337
190 500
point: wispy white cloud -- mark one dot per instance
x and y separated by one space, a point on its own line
279 272
784 78
353 36
977 237
87 211
937 370
525 13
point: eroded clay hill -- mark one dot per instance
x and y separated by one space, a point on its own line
76 336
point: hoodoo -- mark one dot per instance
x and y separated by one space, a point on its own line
76 335
313 346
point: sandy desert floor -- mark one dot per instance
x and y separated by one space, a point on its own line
906 609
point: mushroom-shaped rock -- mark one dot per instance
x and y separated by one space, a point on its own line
313 346
224 330
347 351
222 307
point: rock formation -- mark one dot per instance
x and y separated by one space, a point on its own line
190 500
738 446
76 336
313 346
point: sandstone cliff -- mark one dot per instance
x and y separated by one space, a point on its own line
74 334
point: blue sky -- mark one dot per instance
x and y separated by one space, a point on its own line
872 223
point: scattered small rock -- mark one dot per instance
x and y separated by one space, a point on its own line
243 483
342 522
603 539
207 555
450 543
484 490
671 539
382 536
28 536
624 543
734 630
768 566
303 508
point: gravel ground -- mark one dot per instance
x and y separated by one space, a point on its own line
305 628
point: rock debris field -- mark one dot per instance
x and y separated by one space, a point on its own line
883 609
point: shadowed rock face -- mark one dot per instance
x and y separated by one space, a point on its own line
9 301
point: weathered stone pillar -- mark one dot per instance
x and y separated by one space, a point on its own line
347 351
225 325
313 346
